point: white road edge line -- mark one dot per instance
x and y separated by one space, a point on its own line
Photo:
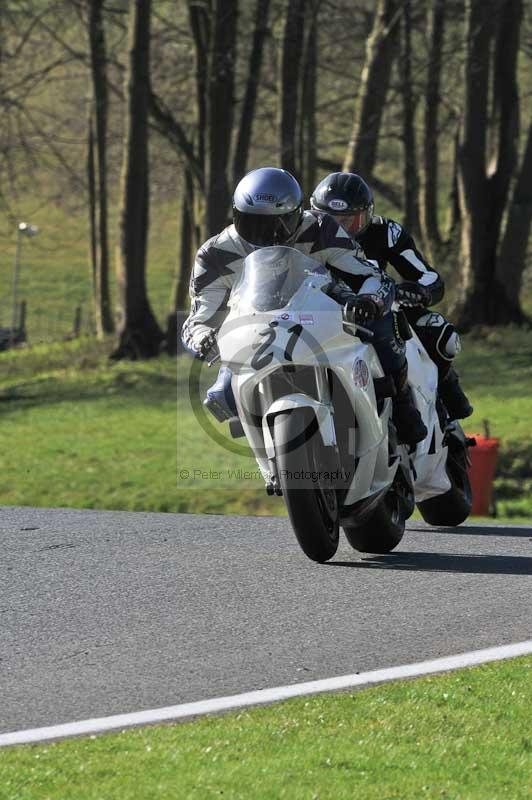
262 696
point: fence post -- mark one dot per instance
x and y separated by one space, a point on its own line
22 323
77 323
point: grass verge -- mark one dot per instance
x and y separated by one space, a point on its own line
461 736
78 430
55 277
496 370
81 431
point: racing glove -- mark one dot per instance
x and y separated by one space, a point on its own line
411 294
362 309
206 349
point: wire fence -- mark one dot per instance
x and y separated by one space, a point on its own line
34 324
43 327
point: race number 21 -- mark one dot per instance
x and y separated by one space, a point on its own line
264 354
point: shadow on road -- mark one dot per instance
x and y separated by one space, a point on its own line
443 562
475 530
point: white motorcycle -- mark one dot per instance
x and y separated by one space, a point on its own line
316 409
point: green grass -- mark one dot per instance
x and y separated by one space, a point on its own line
496 369
54 267
460 736
79 430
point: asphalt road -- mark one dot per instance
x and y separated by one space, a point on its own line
108 612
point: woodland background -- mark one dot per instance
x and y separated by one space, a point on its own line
125 126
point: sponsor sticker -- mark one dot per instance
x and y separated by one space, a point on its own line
262 197
337 205
360 373
306 319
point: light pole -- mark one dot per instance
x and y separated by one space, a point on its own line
23 229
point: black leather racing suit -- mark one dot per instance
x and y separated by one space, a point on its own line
387 242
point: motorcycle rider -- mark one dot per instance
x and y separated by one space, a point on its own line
268 210
349 199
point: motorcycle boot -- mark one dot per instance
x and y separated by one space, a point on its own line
410 427
453 396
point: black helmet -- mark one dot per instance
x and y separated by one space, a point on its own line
267 207
347 197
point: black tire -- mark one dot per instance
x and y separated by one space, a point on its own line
383 530
453 507
312 507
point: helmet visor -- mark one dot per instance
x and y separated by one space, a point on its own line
264 230
355 221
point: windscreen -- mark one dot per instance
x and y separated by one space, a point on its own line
270 278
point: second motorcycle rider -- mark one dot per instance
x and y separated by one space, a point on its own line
349 199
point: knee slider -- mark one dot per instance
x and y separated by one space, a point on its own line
436 332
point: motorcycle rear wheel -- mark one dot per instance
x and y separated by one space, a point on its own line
383 531
312 505
454 506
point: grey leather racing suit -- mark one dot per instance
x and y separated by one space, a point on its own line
219 263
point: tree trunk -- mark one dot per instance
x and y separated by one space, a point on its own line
361 151
139 333
506 128
187 243
290 84
222 55
472 181
250 97
91 192
483 194
182 278
200 24
98 60
429 206
411 178
454 219
514 248
308 104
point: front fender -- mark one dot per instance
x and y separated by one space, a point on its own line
322 412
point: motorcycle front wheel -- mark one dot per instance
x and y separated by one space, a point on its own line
310 497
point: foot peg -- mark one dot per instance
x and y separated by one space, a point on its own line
272 487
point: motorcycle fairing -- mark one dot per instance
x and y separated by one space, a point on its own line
431 454
308 331
240 341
